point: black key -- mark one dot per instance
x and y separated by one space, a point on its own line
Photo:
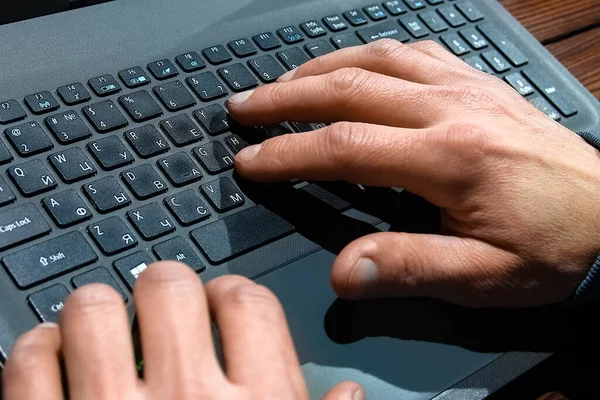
66 208
11 111
266 41
237 77
134 77
375 12
132 266
475 39
292 58
335 23
235 143
384 30
178 249
106 194
223 195
112 236
174 96
266 68
41 102
32 177
415 4
214 157
228 237
163 69
242 47
307 127
5 155
6 194
110 152
147 141
72 165
290 35
318 48
28 139
187 207
48 303
435 2
452 16
542 104
555 95
217 54
313 29
50 258
507 48
433 21
67 127
181 130
355 17
144 181
151 221
478 63
105 116
74 93
104 85
326 197
519 83
180 169
206 86
271 131
469 11
140 106
98 275
498 63
395 7
190 61
412 24
213 118
21 224
346 40
455 43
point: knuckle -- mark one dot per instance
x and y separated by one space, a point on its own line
384 49
253 298
346 82
429 46
470 140
340 140
92 300
474 97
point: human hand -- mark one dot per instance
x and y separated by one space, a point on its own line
174 309
518 191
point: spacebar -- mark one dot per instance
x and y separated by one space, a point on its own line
239 233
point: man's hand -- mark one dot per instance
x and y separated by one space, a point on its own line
519 192
174 312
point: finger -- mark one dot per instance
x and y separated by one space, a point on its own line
97 344
462 271
32 371
347 94
429 163
175 330
424 62
257 345
346 391
437 51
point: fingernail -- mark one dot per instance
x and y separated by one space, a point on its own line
240 97
359 395
288 76
248 153
48 325
364 275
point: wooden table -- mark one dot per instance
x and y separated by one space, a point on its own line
570 29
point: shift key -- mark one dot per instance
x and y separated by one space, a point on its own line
20 224
48 259
385 30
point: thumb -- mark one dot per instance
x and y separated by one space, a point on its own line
459 270
346 391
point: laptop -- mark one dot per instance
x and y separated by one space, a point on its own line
117 151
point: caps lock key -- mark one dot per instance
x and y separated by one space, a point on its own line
20 224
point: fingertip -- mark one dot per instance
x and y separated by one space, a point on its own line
355 274
240 98
288 76
247 154
346 391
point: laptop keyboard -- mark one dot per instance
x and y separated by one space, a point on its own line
105 176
